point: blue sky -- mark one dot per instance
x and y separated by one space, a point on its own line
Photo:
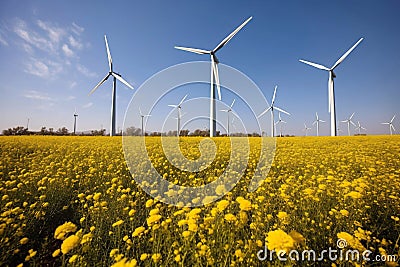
52 54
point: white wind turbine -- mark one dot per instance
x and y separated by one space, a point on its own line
390 123
229 110
272 108
331 92
349 121
116 77
142 116
280 121
359 128
305 129
317 121
214 73
178 107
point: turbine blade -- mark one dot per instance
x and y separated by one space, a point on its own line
281 110
108 54
314 122
193 50
233 102
183 99
224 110
230 36
315 65
388 123
321 121
121 80
140 112
100 83
173 106
273 96
344 121
265 111
394 116
346 54
391 125
351 116
316 115
353 123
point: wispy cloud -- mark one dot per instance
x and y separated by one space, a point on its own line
54 33
71 97
3 39
33 94
77 29
85 71
88 105
67 51
74 42
42 69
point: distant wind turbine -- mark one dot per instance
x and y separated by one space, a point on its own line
305 129
142 116
178 107
280 121
272 108
317 121
331 92
75 116
390 123
359 128
27 124
116 77
214 73
229 110
349 121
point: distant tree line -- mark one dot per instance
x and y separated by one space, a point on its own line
20 130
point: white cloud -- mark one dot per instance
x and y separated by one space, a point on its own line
85 71
2 39
77 29
88 105
67 51
55 33
71 97
31 37
73 84
33 94
74 42
38 68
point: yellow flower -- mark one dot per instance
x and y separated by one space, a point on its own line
118 223
153 219
56 253
143 256
282 215
230 217
344 213
186 234
278 240
149 203
97 196
351 241
24 240
138 231
69 244
177 258
73 258
221 205
125 263
220 190
64 229
244 204
353 194
156 257
297 237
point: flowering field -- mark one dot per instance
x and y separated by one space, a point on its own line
71 200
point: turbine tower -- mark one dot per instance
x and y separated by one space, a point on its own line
75 116
359 128
178 118
214 73
306 128
390 123
317 121
272 108
349 121
229 110
331 92
116 76
142 116
280 121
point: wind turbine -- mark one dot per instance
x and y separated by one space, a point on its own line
331 92
142 116
359 128
280 121
306 128
272 108
178 107
229 110
214 73
348 121
116 77
75 116
317 121
390 123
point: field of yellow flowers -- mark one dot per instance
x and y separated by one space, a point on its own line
72 201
